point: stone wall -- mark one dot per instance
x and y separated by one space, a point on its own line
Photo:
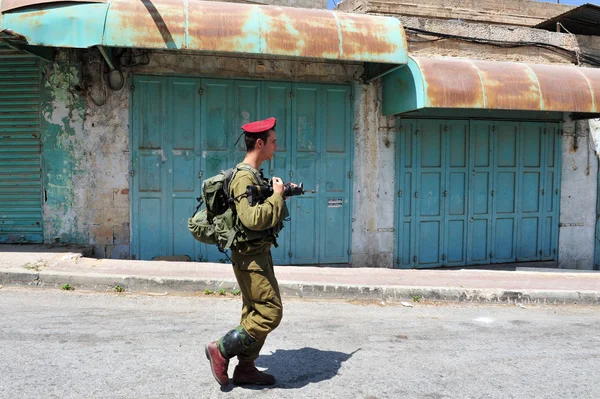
509 12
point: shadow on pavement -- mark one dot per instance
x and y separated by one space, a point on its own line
299 367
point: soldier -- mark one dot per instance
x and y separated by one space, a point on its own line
252 264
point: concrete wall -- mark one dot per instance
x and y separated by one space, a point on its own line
578 197
509 12
319 4
373 230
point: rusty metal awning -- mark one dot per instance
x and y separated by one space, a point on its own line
451 83
206 26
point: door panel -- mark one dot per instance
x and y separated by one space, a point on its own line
148 162
335 181
480 199
507 172
181 150
429 208
276 103
530 198
456 192
216 138
406 186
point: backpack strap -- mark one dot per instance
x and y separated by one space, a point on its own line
234 171
258 175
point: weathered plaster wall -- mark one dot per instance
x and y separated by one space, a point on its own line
85 173
373 239
578 197
62 125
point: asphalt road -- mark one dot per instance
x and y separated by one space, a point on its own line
59 344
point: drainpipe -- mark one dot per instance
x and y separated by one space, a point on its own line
595 133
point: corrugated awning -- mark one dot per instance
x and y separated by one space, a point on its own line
451 83
213 27
582 20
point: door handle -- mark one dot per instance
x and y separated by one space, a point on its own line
200 175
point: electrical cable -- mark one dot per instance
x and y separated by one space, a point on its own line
575 56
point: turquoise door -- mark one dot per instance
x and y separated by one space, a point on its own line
476 192
20 148
184 130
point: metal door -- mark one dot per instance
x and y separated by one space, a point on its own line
476 192
20 148
183 131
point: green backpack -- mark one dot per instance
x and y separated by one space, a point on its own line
216 223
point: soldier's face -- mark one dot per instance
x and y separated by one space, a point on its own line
270 146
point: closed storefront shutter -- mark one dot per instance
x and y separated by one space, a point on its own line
20 148
477 192
184 130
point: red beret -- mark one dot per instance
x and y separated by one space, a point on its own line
259 126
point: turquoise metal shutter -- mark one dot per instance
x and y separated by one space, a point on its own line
431 195
488 190
20 148
184 130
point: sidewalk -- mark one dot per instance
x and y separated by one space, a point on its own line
43 266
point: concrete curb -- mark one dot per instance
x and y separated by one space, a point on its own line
98 281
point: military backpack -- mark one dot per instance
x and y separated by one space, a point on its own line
217 223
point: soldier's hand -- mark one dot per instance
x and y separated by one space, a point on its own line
278 185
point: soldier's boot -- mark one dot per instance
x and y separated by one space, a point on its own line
246 373
218 353
218 363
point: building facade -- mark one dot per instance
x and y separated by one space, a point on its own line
128 129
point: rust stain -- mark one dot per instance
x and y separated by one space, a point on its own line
365 34
451 83
509 85
593 77
308 33
220 27
125 191
563 88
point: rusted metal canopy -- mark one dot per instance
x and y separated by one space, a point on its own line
473 84
7 5
214 27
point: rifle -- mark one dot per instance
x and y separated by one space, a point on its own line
257 194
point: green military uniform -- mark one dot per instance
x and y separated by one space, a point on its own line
253 265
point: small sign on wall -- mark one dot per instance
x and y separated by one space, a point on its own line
334 203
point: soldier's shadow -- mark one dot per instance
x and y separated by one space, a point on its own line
297 368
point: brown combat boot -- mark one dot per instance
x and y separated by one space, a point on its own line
218 363
245 374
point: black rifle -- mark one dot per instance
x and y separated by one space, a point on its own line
257 194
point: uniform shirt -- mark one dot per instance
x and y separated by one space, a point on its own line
258 217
